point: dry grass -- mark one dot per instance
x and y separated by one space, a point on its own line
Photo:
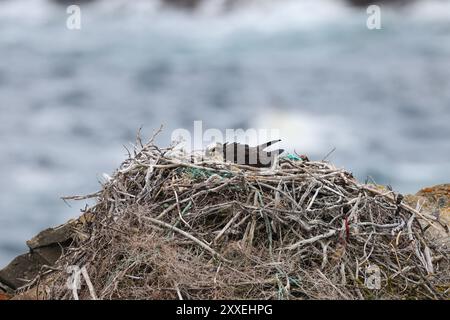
166 228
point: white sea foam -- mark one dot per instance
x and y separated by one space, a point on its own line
269 13
309 133
430 10
265 15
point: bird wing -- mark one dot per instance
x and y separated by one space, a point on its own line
275 152
267 144
236 152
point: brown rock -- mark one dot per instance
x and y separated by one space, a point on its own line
4 296
50 253
436 201
45 249
22 268
438 196
51 236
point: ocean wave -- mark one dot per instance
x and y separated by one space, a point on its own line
263 13
264 16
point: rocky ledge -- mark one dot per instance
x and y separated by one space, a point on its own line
46 247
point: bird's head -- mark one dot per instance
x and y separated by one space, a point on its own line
214 150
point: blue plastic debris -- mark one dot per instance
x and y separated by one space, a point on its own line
292 157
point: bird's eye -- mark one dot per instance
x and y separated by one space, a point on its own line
213 149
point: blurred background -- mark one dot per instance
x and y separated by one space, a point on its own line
70 100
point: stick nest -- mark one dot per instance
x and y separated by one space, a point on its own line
164 227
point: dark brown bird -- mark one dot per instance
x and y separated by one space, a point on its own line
244 154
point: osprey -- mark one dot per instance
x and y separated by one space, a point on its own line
244 154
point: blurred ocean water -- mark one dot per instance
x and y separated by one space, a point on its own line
70 100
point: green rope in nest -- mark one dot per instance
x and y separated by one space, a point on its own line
201 174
